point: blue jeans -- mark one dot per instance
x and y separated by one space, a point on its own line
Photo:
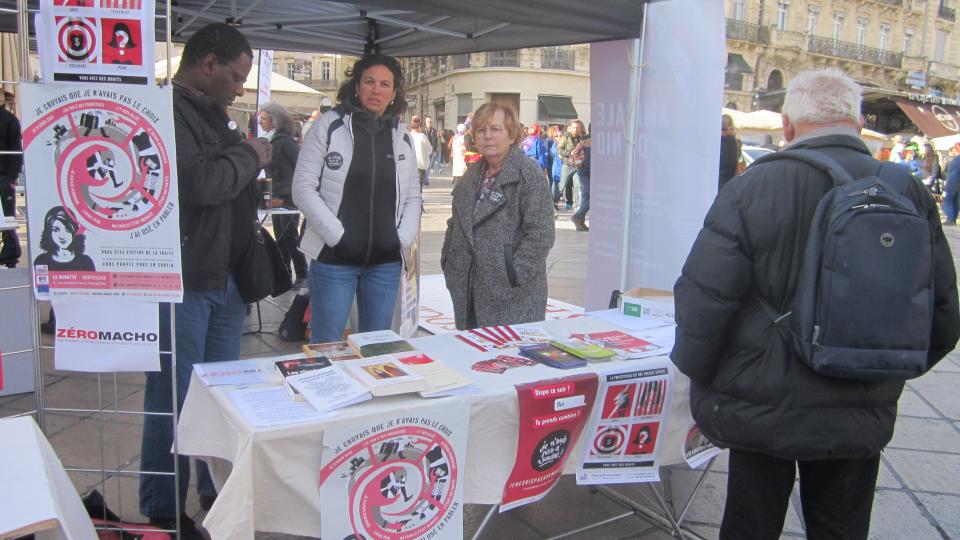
951 198
332 289
584 207
567 175
208 329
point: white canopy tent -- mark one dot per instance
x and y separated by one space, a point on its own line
754 127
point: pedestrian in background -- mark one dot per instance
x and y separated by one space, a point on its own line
11 140
458 165
729 150
423 150
579 218
574 136
951 189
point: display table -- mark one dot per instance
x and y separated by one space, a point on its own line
268 477
37 495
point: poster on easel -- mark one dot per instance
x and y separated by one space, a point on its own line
551 420
623 442
102 202
397 476
96 41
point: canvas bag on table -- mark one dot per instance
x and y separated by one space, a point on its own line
863 307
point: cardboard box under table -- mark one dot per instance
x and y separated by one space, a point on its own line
268 477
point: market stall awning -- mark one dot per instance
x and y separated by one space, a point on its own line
932 119
736 64
557 107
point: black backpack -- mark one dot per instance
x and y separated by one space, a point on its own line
293 327
863 307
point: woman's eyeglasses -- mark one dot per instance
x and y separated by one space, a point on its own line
492 130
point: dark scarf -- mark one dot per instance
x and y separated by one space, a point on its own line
369 121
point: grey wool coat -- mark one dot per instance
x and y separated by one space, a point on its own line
494 255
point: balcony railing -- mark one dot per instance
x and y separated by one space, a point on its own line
745 31
947 13
503 59
461 61
853 51
557 58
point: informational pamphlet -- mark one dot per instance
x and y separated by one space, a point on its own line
697 449
398 477
552 416
328 388
441 380
102 194
385 375
271 406
623 442
102 336
97 41
233 372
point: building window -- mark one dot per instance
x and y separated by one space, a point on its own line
464 107
557 58
940 45
739 9
862 30
503 59
461 61
782 15
837 25
300 70
812 13
907 39
325 71
884 37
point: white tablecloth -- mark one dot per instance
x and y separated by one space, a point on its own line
268 477
36 495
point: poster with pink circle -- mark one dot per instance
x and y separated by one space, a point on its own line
397 477
101 188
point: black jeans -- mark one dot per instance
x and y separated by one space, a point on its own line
10 252
286 227
836 495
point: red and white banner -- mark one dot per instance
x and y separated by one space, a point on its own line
102 202
96 41
398 477
552 416
626 427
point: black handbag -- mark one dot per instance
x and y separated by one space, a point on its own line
261 272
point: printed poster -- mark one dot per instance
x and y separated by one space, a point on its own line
624 432
697 449
408 299
103 202
97 41
552 416
396 477
102 336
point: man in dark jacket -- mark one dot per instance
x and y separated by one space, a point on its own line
729 150
216 170
749 392
10 141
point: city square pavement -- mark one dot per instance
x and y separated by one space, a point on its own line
917 495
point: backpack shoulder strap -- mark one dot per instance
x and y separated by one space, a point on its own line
338 122
819 160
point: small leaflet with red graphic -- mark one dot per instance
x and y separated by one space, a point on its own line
624 429
552 417
491 338
97 41
626 346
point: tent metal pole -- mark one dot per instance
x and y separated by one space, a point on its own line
636 69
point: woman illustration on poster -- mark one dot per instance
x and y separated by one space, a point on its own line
62 244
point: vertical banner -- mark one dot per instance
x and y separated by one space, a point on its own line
408 300
97 41
552 416
623 437
102 195
264 72
396 477
677 147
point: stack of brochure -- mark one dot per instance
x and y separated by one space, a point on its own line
381 342
328 388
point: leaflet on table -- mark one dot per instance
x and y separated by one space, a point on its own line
626 322
622 442
551 418
491 338
102 201
634 345
379 342
397 477
103 41
441 380
102 336
272 406
328 388
697 449
384 375
234 372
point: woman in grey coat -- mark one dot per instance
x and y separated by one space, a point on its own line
495 249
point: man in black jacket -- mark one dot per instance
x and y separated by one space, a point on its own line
749 392
10 141
216 173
